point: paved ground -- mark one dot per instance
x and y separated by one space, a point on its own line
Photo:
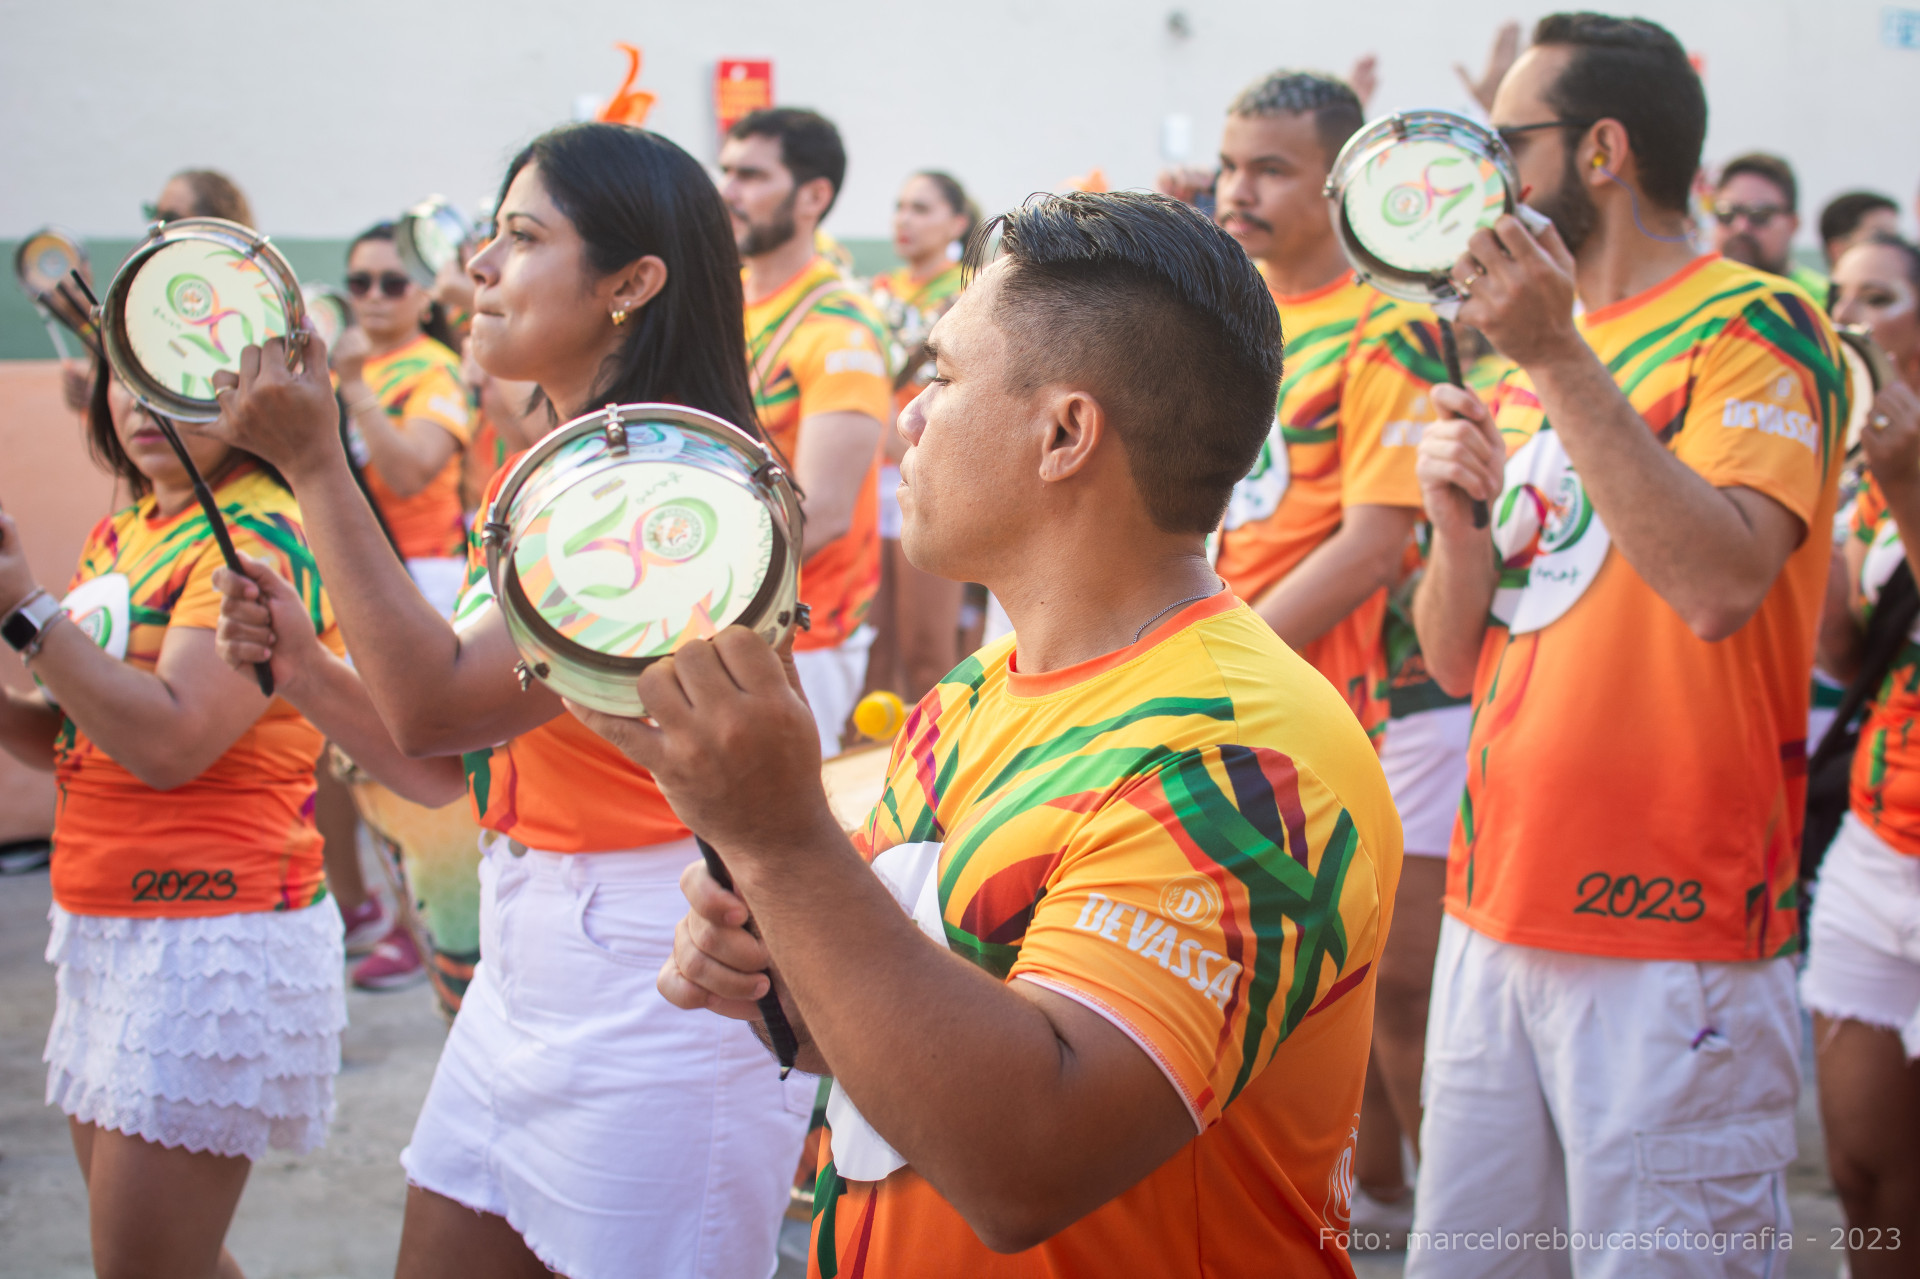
335 1214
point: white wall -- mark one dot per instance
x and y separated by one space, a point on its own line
332 115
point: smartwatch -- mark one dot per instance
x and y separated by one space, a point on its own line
27 623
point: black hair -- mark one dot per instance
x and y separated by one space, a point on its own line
631 193
1164 313
956 197
1762 164
810 146
1335 107
103 444
1846 211
436 325
1907 249
1633 71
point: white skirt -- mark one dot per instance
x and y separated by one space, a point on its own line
219 1033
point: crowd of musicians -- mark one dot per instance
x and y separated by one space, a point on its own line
1338 809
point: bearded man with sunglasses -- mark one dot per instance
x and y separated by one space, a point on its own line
1756 214
1612 1065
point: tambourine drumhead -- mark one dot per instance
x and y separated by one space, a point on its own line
632 530
1409 192
186 303
327 307
1868 370
45 259
428 236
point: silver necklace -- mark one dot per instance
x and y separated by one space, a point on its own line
1191 599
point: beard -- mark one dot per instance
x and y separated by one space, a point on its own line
765 237
1745 249
1569 207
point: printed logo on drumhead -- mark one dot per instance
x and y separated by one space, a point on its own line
191 297
678 530
1193 900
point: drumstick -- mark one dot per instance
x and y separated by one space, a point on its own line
786 1048
1450 350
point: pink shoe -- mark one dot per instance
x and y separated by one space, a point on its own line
393 965
366 924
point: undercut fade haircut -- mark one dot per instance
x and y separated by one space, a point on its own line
1633 71
810 145
1335 107
1845 212
1162 314
1762 164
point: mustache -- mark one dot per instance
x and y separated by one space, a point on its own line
1234 215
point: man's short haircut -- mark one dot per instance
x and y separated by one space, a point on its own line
1846 211
1162 314
810 146
1633 71
1764 164
1335 107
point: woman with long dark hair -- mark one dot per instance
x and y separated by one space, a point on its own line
576 1121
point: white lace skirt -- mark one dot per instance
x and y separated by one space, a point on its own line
218 1034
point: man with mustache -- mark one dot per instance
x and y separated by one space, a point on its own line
1613 1059
820 380
1756 214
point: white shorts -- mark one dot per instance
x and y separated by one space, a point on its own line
1863 951
1603 1117
890 517
1424 756
832 679
440 579
603 1123
216 1033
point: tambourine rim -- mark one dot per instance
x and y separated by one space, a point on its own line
1859 339
1425 287
435 208
518 611
118 345
71 240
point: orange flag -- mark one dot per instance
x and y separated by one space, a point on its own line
629 105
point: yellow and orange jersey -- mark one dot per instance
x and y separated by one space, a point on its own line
911 307
562 787
1632 789
829 358
240 837
1886 764
1191 837
421 382
1354 400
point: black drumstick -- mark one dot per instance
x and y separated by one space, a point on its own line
262 672
1450 351
786 1048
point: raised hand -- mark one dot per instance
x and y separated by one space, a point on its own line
262 619
1891 439
1462 459
284 416
1520 291
1500 59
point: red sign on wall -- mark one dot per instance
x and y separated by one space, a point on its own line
740 86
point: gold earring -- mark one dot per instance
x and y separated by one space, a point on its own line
620 315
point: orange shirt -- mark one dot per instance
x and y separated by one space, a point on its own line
1192 838
1358 368
1886 764
420 382
1632 789
561 788
239 837
833 361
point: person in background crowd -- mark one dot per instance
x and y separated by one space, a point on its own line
821 384
1756 214
408 422
1862 979
1613 1042
197 955
917 615
1853 216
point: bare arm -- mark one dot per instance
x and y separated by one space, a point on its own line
830 462
1461 458
1838 644
439 693
1893 453
406 454
28 727
1362 556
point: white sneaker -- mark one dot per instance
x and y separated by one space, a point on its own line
1380 1227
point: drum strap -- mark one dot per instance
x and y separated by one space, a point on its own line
769 360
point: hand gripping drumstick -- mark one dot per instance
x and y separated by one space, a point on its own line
1450 350
786 1048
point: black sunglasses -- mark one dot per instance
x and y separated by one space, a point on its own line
391 283
1509 132
154 214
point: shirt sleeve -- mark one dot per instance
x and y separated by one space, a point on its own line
840 369
439 398
1753 420
276 539
1206 911
1384 406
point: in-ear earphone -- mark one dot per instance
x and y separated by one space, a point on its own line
1600 163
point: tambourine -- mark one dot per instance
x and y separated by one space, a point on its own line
1868 371
44 266
329 311
631 531
185 304
428 236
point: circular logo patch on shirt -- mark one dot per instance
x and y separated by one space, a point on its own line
1193 900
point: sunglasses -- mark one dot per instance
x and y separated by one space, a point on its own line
1757 215
1512 133
153 213
392 284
